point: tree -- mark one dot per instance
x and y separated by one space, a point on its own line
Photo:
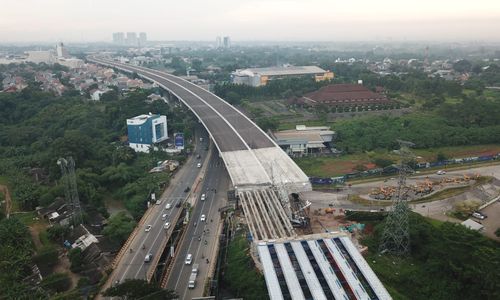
462 66
76 259
46 256
497 232
383 162
58 233
119 228
56 282
132 289
441 157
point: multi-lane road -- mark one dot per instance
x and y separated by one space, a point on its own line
132 264
201 237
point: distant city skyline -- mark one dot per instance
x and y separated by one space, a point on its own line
263 20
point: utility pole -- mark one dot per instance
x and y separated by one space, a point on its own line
396 236
70 188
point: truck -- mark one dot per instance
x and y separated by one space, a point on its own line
192 281
192 277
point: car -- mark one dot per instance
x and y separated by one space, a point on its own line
198 156
189 259
158 202
199 165
203 218
164 217
187 189
167 225
178 204
479 215
148 257
203 197
168 206
441 172
148 228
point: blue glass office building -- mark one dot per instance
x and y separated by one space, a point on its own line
146 130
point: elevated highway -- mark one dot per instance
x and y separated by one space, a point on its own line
252 159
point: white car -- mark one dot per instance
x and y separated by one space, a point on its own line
199 165
203 218
441 172
148 228
167 225
203 196
189 259
148 257
168 206
164 217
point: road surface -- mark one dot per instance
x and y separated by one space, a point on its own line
215 188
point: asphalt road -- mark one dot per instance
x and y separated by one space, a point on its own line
132 265
230 129
215 188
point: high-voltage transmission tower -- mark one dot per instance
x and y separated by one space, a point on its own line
396 236
70 190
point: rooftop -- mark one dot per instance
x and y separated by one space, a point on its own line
290 70
320 266
344 92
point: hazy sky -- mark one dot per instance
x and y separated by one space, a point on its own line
292 20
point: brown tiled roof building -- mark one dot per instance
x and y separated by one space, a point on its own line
344 94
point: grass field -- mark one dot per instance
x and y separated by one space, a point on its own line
337 166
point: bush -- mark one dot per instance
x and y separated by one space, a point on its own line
46 256
76 259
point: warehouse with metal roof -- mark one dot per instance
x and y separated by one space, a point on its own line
319 266
261 76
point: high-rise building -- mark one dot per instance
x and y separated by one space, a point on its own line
61 51
118 38
132 38
143 38
146 130
227 42
218 42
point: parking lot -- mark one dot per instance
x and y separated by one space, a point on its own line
492 222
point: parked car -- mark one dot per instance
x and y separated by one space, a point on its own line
479 215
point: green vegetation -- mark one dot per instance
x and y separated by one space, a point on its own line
133 289
16 249
240 276
341 165
37 128
119 228
447 261
56 283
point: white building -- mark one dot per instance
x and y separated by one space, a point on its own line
144 131
304 140
41 57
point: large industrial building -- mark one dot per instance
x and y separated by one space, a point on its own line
304 140
261 76
320 266
146 130
343 95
